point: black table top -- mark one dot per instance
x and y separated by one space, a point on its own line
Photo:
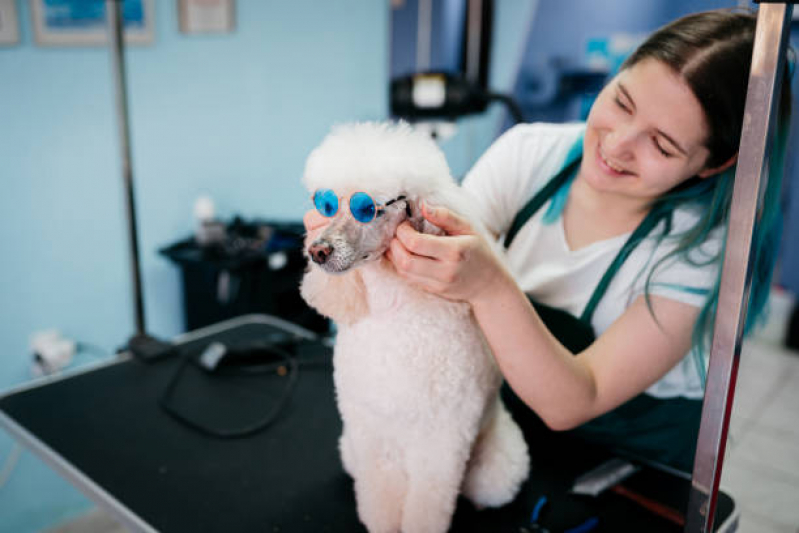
108 425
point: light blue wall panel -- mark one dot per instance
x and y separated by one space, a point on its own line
232 116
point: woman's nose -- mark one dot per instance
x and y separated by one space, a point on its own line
619 142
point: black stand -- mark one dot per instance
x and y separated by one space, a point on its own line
147 348
141 345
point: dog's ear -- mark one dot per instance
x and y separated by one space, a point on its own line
342 297
417 220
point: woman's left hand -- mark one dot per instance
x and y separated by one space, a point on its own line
459 265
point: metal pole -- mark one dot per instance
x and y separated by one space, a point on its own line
474 16
115 34
424 34
768 57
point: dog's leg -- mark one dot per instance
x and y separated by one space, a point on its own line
435 472
500 462
380 484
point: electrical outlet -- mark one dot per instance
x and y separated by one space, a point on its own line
51 352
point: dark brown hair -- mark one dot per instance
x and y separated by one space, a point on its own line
712 52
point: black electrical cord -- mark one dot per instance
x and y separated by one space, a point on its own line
511 104
287 366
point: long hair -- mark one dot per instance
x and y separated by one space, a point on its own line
712 53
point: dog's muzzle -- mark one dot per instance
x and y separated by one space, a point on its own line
320 251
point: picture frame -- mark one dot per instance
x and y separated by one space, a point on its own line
82 23
9 22
206 16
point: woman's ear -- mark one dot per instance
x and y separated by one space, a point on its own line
706 173
417 220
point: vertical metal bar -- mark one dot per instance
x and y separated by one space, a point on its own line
117 46
771 34
474 16
424 35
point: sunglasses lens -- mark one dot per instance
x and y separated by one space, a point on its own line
362 207
326 202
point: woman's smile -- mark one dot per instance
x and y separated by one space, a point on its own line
608 166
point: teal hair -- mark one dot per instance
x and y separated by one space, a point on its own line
562 194
711 52
714 195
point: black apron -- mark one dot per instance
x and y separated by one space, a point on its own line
645 427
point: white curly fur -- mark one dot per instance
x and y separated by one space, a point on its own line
416 384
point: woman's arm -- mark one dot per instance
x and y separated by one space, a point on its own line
564 390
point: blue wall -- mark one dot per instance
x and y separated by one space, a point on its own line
232 116
550 50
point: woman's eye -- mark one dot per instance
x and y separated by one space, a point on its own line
661 150
621 104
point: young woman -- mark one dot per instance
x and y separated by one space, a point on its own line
614 230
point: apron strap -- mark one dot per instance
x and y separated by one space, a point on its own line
641 232
535 203
646 226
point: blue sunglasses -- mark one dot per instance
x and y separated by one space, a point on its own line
362 207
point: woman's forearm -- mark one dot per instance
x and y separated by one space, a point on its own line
543 373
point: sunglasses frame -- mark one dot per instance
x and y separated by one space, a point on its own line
379 208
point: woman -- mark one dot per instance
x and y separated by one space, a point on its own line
620 221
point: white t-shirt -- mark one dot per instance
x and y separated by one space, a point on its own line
507 176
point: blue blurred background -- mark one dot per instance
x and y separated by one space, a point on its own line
231 116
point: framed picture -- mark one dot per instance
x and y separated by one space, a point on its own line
206 16
9 23
84 23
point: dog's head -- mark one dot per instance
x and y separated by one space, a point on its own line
395 167
346 242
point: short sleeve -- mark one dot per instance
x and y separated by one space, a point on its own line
687 277
514 166
491 182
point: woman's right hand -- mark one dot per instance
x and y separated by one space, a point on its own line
458 266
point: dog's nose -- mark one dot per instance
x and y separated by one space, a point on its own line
320 251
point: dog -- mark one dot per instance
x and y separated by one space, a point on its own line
416 384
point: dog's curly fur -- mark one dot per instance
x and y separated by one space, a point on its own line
416 384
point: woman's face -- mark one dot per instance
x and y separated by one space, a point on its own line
645 134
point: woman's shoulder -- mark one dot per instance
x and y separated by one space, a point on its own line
684 217
684 265
515 166
528 152
690 218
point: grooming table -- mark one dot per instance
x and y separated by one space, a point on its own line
104 431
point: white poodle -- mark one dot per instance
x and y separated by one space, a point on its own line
417 386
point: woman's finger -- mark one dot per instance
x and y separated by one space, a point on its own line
314 220
314 223
447 220
421 244
447 249
424 283
406 262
